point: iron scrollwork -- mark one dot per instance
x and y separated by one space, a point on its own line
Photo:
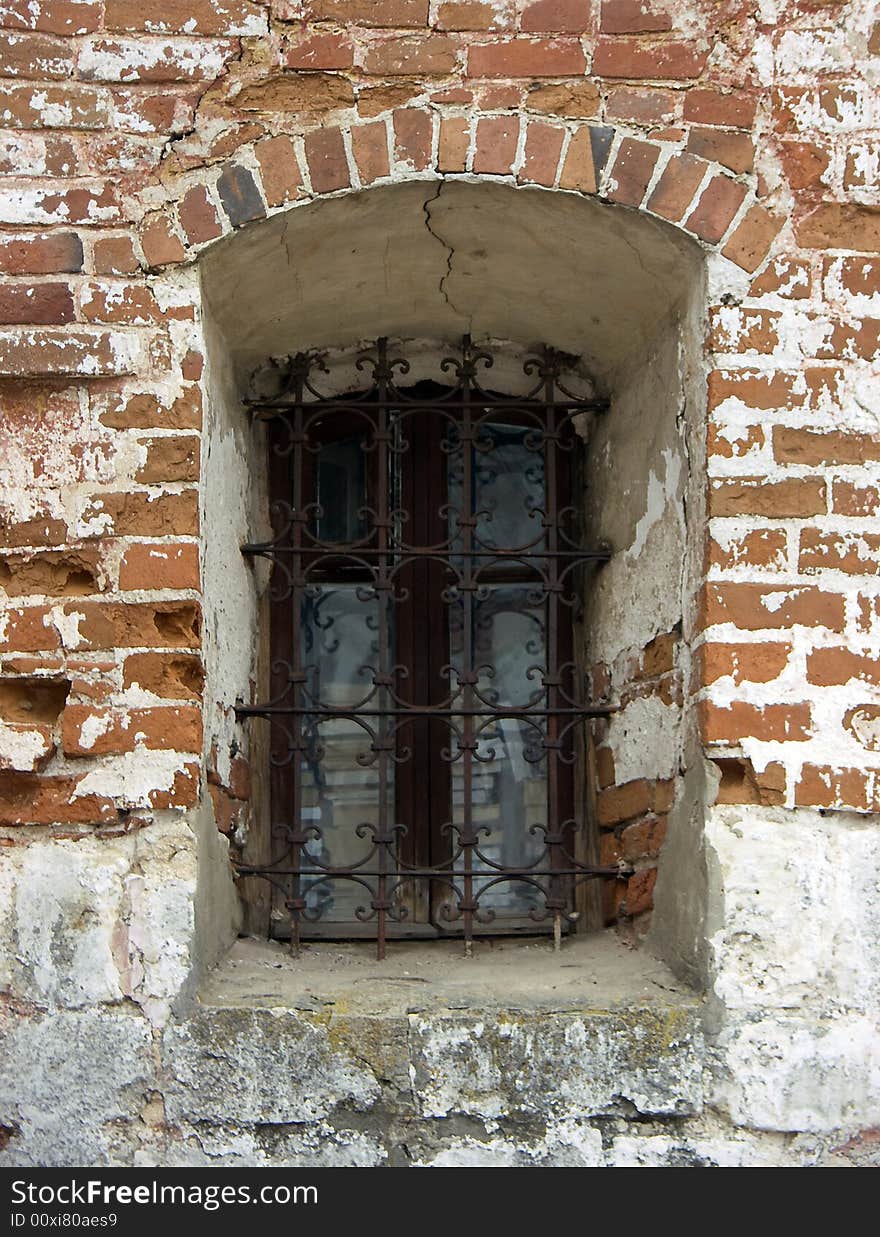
349 558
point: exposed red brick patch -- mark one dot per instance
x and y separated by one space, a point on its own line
370 148
768 723
497 139
631 171
327 160
714 212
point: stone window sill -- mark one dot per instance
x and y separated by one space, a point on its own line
517 1032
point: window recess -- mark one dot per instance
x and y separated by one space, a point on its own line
425 706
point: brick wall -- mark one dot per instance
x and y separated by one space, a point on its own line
133 136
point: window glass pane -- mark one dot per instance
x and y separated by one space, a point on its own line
509 768
341 775
341 491
507 488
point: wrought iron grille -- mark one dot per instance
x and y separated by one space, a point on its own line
425 707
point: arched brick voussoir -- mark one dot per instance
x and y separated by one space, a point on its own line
274 173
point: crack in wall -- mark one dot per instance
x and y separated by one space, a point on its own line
450 253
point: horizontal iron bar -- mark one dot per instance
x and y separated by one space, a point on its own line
432 873
271 547
479 402
255 710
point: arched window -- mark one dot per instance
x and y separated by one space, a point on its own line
425 702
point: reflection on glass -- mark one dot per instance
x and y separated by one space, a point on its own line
340 656
341 491
507 487
509 772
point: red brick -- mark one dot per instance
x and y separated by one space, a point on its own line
405 56
526 58
857 277
53 16
632 170
578 170
855 553
744 330
161 244
744 663
552 16
633 17
676 187
795 497
735 150
804 163
834 787
785 276
388 13
173 676
767 723
52 106
634 58
145 411
28 630
848 498
714 212
729 443
111 625
758 389
643 840
279 170
37 57
373 100
198 217
48 351
468 15
38 531
179 16
755 607
87 731
413 137
43 304
320 51
328 164
712 106
29 799
759 547
455 138
135 513
798 446
497 139
849 341
620 803
639 896
834 667
742 783
370 147
841 225
159 566
114 255
576 100
53 253
541 156
170 458
642 105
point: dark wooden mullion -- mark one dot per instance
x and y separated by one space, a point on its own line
423 781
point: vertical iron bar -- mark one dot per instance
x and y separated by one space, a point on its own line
296 903
383 508
552 653
467 837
